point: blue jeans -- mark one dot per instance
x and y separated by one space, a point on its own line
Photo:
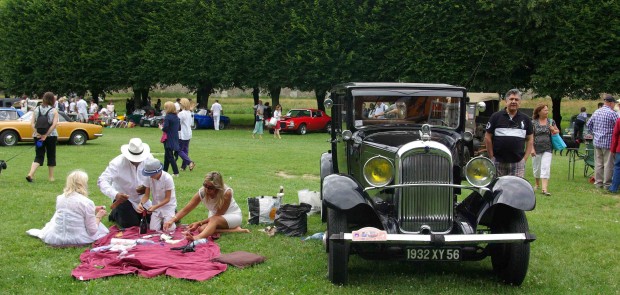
615 180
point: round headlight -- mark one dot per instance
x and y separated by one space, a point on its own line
347 135
379 171
480 171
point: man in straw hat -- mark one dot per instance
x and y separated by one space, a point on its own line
122 181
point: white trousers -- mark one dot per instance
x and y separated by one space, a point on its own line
160 216
216 122
542 165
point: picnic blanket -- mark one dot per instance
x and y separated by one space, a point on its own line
149 260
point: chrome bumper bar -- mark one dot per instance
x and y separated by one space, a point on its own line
441 240
480 190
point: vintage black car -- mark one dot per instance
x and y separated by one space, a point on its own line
391 184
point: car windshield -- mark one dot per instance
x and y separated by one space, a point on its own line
298 113
408 108
8 115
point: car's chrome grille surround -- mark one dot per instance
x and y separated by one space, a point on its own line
429 206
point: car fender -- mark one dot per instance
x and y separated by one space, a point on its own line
512 191
342 192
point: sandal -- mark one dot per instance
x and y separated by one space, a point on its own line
546 193
191 166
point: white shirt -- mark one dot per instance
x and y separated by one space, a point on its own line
216 108
185 117
93 108
177 106
122 176
158 189
277 114
82 106
110 108
73 223
72 107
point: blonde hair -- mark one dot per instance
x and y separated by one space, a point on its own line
185 105
170 108
216 178
77 182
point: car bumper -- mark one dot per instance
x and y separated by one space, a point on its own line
98 135
439 240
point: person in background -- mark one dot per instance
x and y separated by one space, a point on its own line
216 111
122 181
508 138
615 153
110 108
72 106
24 103
600 105
543 128
177 105
77 221
379 112
185 135
224 213
580 121
158 106
277 114
161 185
171 127
267 112
258 124
601 124
94 108
45 139
82 110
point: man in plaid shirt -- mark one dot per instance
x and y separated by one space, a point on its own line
602 124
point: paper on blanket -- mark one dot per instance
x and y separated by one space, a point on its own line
149 260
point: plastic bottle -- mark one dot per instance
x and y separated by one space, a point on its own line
198 242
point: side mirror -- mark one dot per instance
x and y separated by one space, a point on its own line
481 106
328 103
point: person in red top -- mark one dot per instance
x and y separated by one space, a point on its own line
615 149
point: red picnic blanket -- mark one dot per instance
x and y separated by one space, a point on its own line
150 260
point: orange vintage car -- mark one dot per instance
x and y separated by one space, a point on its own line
76 133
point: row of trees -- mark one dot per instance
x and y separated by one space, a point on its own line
555 48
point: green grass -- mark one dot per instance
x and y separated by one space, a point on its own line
577 250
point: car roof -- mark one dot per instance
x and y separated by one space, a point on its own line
393 85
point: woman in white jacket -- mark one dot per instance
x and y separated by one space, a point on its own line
77 221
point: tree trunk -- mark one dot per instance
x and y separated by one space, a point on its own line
255 94
320 98
95 93
274 93
202 94
557 116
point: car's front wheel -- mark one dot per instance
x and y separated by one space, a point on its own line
338 256
510 261
78 138
222 125
302 129
8 138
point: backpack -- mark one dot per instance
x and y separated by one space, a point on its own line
42 124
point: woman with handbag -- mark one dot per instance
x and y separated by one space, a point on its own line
277 115
171 128
543 128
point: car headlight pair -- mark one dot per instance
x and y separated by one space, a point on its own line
479 172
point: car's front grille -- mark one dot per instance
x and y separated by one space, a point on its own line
422 206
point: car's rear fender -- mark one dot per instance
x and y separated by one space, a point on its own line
511 191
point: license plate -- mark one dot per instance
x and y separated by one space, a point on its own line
433 254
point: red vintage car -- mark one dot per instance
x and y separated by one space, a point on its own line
304 120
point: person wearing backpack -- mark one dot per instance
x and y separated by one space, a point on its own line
44 121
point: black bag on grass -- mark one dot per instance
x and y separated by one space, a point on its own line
292 220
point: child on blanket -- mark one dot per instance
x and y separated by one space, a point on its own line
77 221
161 186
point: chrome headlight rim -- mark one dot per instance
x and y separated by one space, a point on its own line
490 171
388 180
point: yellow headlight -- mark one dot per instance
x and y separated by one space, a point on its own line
480 172
379 171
